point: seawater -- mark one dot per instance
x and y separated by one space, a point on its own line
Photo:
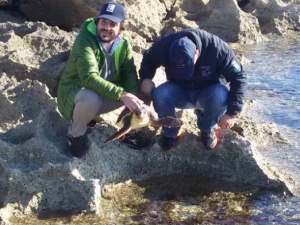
274 85
274 79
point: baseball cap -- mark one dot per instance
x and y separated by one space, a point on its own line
112 11
182 55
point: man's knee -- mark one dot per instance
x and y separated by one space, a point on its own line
144 98
88 99
221 94
159 93
86 94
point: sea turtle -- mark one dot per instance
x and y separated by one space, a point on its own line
143 117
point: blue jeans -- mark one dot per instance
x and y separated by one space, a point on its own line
212 100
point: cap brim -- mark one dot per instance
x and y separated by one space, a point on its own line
182 73
109 17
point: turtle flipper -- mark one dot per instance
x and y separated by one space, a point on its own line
168 122
120 133
122 114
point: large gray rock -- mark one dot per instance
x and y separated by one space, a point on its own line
34 51
230 22
63 13
148 19
275 16
36 174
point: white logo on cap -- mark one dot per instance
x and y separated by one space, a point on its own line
110 8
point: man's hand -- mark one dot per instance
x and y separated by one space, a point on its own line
146 87
132 102
227 121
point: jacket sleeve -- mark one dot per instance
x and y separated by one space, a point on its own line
153 58
128 73
88 70
232 70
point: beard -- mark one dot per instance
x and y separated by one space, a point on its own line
106 36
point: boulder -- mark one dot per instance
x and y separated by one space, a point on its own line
240 21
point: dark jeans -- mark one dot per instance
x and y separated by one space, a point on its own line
212 100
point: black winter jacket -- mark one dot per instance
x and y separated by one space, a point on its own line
217 64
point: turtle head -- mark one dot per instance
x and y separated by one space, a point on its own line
141 112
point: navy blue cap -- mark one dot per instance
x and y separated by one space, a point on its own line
182 54
112 11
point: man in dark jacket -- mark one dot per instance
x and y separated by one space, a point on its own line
203 73
100 76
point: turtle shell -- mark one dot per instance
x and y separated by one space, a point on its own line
144 117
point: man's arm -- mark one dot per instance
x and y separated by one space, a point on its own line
88 72
149 64
234 74
127 71
232 69
157 55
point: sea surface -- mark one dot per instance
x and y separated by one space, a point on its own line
274 86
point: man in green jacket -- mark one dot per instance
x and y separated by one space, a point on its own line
100 75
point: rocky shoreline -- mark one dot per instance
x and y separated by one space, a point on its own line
36 174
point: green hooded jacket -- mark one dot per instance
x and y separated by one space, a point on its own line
84 65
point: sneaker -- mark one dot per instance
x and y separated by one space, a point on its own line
78 146
94 121
138 141
209 140
169 143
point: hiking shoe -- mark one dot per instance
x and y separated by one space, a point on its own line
94 121
209 140
78 146
138 141
169 143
